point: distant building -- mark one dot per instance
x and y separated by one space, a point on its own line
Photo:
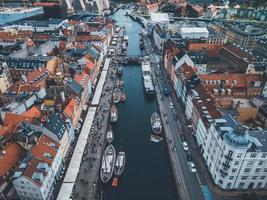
5 77
160 35
244 35
194 33
102 5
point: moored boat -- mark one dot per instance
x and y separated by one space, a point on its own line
110 136
114 115
116 95
121 83
141 44
147 78
108 163
120 70
120 163
156 124
123 97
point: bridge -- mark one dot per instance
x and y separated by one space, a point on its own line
130 59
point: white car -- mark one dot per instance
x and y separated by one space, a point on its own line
192 167
171 104
185 146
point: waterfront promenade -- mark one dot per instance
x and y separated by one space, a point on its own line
187 183
81 179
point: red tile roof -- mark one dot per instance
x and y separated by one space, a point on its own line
32 168
13 120
238 52
69 110
44 145
13 153
208 101
34 112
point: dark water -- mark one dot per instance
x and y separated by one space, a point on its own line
147 174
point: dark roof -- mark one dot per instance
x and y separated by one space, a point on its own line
76 87
56 125
263 110
94 52
25 63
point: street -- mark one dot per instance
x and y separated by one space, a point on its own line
188 182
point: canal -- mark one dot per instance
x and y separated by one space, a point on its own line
147 174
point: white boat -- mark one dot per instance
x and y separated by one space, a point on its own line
114 114
147 77
156 124
116 95
8 14
120 163
110 136
108 163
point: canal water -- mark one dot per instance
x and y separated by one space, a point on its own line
147 174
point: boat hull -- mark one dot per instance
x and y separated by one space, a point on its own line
114 114
156 124
108 163
120 164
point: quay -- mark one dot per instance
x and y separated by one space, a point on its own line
82 177
187 184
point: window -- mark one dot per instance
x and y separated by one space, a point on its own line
265 170
257 169
254 177
231 178
247 170
244 178
263 155
236 163
22 182
253 155
234 170
260 162
262 177
239 155
250 163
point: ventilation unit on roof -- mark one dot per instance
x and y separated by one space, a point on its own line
37 176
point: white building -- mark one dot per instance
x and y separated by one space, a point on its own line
102 5
194 32
36 175
5 77
236 155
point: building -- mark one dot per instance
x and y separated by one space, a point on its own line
185 79
236 155
160 36
5 77
245 35
194 33
226 87
10 156
102 5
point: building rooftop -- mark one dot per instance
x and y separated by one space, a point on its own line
10 155
56 125
45 149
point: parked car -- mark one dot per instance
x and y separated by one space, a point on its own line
185 146
192 167
182 138
171 105
189 156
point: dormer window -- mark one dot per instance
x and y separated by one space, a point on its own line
37 176
48 155
43 167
